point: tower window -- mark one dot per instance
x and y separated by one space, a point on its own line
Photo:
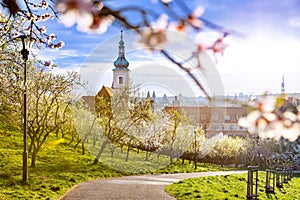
121 80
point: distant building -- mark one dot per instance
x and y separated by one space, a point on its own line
121 73
176 102
106 93
216 119
121 78
282 85
221 118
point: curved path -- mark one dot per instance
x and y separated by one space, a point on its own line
132 187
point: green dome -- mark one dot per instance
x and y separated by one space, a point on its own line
121 62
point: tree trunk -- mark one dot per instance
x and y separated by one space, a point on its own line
171 155
30 147
71 139
195 161
101 151
56 133
62 133
33 156
78 142
147 156
171 159
127 154
82 146
171 152
112 151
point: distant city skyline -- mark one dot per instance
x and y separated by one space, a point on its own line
253 63
151 71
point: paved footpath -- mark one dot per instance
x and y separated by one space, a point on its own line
143 187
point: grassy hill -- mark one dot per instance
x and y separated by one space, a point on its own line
230 187
59 167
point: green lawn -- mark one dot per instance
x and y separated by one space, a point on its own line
230 187
137 164
59 167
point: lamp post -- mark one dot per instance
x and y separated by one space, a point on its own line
195 147
25 53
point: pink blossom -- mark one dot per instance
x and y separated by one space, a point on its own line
193 18
271 118
43 29
46 16
73 10
99 24
35 6
153 38
163 1
161 22
49 64
84 13
219 46
59 45
44 4
50 38
166 1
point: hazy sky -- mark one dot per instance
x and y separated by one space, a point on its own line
266 47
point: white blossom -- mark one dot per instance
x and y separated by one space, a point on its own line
271 118
85 14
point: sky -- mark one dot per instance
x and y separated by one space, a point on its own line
264 46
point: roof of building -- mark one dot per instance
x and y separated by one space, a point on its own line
106 91
121 62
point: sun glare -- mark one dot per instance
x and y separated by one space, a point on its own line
261 56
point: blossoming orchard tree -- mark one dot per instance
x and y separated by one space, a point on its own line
48 95
271 119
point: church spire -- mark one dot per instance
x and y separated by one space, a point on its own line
121 72
121 61
282 85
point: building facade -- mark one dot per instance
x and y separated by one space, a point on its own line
121 73
215 120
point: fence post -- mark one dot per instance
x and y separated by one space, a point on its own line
289 173
279 178
285 175
252 182
270 181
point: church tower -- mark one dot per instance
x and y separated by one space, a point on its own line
121 71
282 85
